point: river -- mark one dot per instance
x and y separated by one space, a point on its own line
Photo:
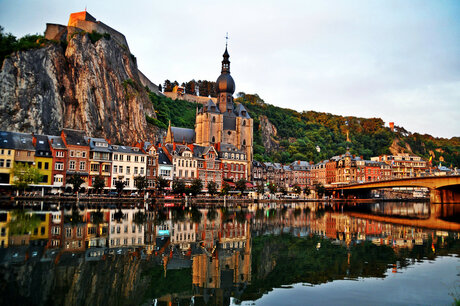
398 253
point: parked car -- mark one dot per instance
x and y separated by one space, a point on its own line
112 194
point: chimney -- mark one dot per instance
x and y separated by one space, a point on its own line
34 140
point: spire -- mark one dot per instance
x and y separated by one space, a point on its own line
226 62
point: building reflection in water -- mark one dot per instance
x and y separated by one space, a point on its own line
214 245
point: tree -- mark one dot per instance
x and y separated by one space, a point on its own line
161 183
319 188
272 188
119 186
140 182
178 186
139 218
241 185
195 215
212 188
196 187
76 181
306 191
159 88
283 190
168 87
22 223
225 188
99 183
297 189
24 175
211 215
260 189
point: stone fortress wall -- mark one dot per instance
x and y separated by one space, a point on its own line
189 98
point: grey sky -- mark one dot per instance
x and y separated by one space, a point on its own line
397 60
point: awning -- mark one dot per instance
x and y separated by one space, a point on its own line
249 185
230 184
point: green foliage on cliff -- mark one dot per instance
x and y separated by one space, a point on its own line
9 43
299 134
181 113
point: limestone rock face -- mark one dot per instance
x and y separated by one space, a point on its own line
83 85
268 132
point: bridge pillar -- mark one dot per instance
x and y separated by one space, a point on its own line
445 196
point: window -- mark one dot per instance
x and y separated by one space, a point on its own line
106 168
39 165
78 153
115 169
136 159
59 154
142 171
28 153
83 154
2 163
46 166
72 165
68 232
83 166
115 156
9 152
135 169
128 169
142 159
95 167
120 170
128 157
192 174
127 182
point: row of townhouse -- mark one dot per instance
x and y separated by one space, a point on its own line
74 153
341 169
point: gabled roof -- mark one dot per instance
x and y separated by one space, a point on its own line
241 111
56 142
183 135
42 144
17 141
75 137
199 151
211 107
126 149
163 158
95 148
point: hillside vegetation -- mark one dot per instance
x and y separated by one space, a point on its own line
300 133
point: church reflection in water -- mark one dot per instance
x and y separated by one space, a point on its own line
208 256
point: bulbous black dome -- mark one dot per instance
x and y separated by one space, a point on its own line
225 83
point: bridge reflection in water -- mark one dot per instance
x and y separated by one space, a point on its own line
181 255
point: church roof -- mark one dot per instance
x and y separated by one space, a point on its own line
211 107
183 134
241 111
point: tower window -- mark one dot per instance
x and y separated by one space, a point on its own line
229 133
213 119
213 139
244 122
244 142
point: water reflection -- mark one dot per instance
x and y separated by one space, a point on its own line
78 255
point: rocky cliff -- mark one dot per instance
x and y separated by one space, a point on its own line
79 84
268 132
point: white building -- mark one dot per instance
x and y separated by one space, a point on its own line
127 163
125 232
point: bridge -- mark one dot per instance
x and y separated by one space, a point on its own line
443 189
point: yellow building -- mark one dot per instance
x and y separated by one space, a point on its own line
7 154
43 158
4 219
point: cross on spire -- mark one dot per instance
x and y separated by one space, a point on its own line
226 40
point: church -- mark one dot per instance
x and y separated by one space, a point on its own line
224 125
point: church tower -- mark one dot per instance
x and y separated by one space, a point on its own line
225 86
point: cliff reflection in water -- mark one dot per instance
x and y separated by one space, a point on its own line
133 256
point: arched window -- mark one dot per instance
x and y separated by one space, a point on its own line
229 133
244 122
213 139
244 142
213 119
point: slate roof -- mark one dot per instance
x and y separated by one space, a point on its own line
211 107
126 149
93 147
16 141
75 137
42 147
163 158
241 111
56 142
183 135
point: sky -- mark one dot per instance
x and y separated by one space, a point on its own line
396 60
